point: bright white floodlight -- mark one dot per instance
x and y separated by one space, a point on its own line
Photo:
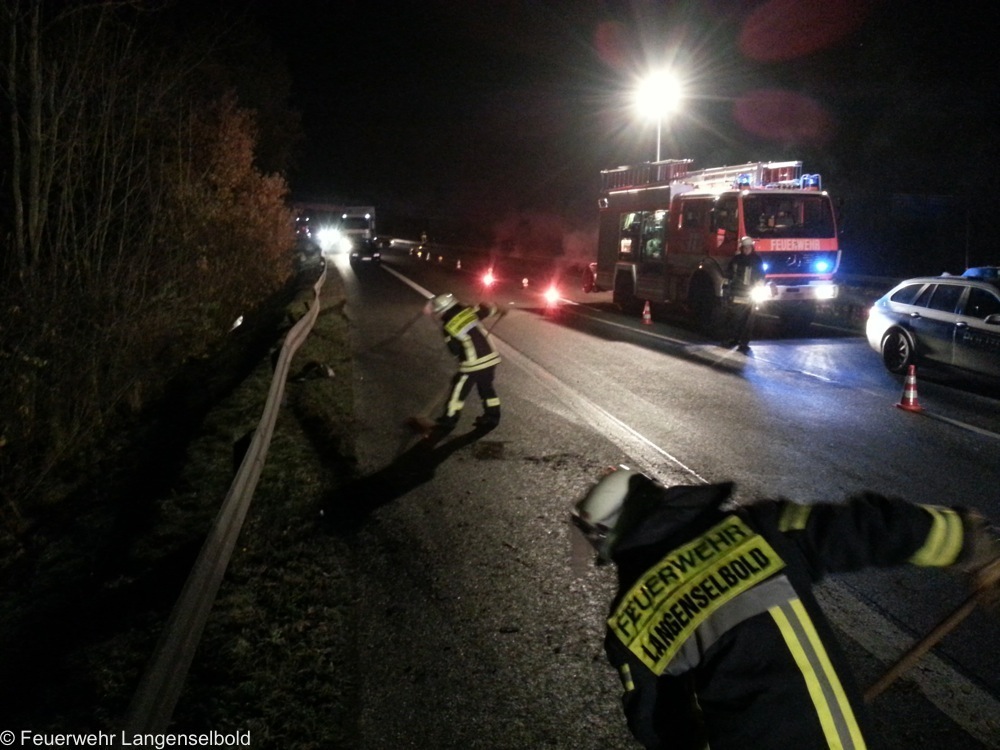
658 96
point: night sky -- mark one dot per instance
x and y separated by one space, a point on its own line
486 108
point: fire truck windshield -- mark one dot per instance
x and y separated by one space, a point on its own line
777 214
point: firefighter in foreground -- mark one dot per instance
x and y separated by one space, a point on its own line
745 271
469 341
715 632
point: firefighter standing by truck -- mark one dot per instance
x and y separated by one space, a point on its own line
466 338
715 632
745 271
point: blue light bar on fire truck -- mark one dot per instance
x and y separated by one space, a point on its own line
810 263
744 181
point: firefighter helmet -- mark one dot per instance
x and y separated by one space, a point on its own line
442 302
746 242
599 513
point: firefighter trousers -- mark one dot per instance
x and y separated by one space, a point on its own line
741 316
461 386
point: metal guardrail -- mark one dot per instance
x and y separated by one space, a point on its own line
857 294
161 684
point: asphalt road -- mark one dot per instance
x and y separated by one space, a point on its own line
483 631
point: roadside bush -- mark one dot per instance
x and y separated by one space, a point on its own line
134 230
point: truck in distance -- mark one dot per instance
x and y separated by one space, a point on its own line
356 223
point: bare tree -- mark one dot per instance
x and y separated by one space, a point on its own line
131 194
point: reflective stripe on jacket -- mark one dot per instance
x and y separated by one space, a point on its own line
715 630
467 339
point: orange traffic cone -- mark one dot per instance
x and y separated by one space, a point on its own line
909 400
647 319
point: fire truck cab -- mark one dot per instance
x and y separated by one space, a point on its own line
667 234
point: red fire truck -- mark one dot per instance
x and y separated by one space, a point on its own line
667 234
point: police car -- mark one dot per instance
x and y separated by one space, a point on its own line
951 321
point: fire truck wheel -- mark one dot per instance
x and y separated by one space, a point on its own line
624 295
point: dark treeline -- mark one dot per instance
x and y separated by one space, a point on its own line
142 211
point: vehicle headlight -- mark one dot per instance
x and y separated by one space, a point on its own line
327 237
345 244
826 291
761 293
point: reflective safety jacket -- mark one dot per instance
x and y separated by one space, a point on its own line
467 339
715 632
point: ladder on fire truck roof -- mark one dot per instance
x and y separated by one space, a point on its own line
644 175
758 174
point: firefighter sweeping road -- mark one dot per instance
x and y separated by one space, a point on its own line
481 631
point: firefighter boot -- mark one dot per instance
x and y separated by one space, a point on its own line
442 427
488 421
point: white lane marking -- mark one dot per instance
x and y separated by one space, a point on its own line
964 702
962 425
632 329
725 353
409 282
968 705
602 420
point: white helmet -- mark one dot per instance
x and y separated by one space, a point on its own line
746 242
442 302
598 514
